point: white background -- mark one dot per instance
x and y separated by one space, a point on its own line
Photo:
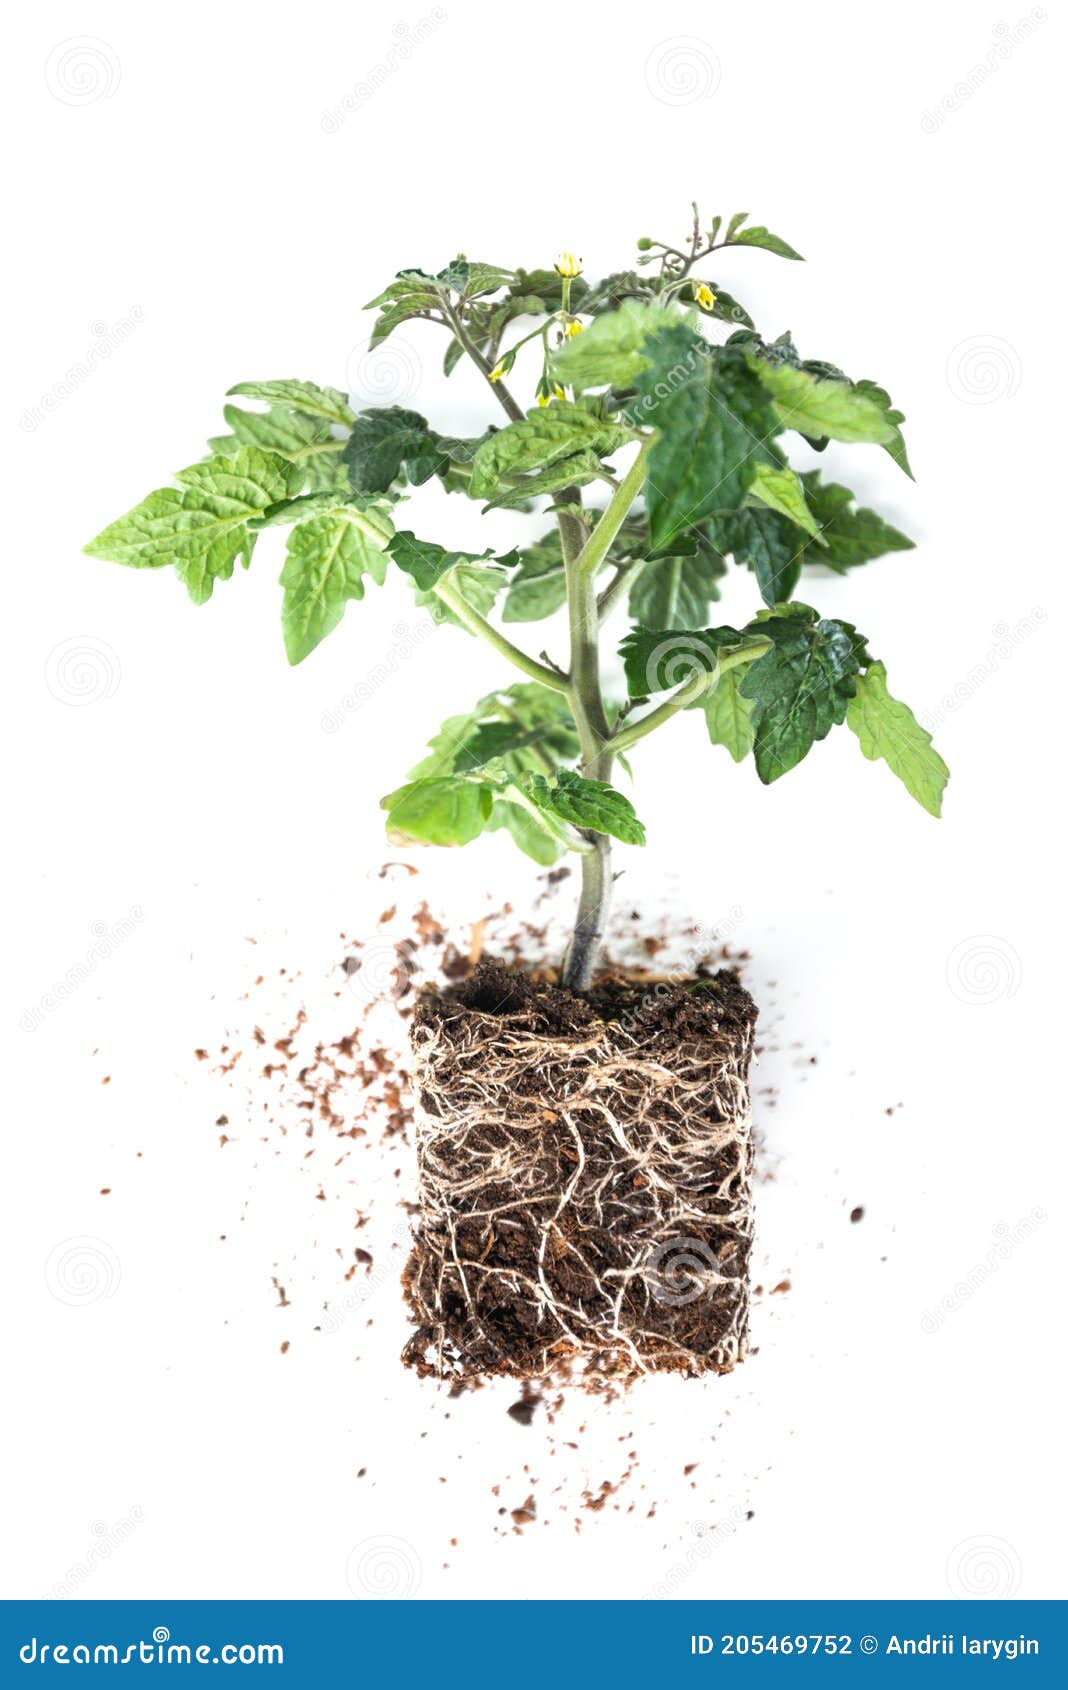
212 199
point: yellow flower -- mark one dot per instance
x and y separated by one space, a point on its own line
573 327
557 393
568 265
497 372
704 296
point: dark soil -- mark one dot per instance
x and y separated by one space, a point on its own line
585 1172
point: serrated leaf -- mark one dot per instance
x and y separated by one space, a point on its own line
557 431
576 471
757 235
448 811
425 561
592 805
539 586
533 840
675 592
766 543
655 659
887 728
327 557
817 405
801 688
714 426
851 536
387 440
536 720
781 490
609 351
729 715
202 526
305 396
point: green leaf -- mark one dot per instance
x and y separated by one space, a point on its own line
425 561
765 542
852 536
201 526
576 471
781 490
713 423
449 811
479 584
801 688
539 587
326 559
757 235
544 436
304 396
589 804
655 659
527 727
386 440
817 406
887 728
729 715
609 351
533 839
675 592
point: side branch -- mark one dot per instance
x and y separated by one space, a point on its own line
476 623
701 681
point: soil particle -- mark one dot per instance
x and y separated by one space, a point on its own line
857 1214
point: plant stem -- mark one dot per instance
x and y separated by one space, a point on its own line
514 410
691 689
476 623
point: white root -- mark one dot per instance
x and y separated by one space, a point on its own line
586 1196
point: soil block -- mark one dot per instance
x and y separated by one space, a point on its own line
585 1168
